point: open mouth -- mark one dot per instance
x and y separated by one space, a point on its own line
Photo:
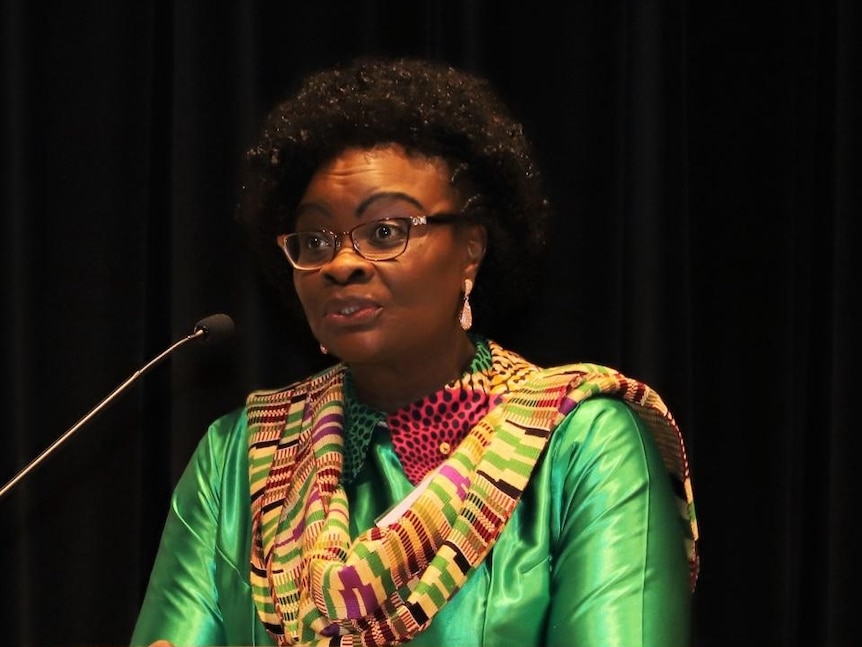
352 314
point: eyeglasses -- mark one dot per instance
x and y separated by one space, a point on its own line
380 240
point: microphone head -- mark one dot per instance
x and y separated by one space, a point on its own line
215 328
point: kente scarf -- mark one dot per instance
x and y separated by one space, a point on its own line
312 585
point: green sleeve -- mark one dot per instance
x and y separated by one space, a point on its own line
619 571
181 603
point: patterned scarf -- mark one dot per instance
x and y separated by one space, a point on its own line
312 585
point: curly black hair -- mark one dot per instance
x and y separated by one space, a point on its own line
432 109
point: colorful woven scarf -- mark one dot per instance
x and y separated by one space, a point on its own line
312 584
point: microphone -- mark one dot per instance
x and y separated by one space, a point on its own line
212 329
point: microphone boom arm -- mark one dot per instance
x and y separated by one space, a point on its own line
199 331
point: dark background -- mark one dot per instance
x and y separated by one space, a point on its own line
705 161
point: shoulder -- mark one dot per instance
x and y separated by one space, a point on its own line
227 429
603 414
268 398
589 393
599 423
225 442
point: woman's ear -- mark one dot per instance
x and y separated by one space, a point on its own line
477 243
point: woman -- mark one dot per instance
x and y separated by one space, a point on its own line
431 487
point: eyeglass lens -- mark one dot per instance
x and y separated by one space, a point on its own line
375 241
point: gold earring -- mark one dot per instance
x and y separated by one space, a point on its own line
466 316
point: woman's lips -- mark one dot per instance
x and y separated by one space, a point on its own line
351 313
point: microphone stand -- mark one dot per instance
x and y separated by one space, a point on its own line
200 331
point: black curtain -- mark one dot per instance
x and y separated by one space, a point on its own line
704 159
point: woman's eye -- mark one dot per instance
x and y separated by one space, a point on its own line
388 231
315 241
382 231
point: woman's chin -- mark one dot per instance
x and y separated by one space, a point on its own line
357 349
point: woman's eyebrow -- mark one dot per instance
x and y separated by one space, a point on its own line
386 195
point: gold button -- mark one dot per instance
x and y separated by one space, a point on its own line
445 448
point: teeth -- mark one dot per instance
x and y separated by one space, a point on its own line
349 310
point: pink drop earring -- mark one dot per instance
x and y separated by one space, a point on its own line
466 316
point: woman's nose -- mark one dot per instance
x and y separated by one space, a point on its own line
346 264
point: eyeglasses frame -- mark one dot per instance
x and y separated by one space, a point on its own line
439 218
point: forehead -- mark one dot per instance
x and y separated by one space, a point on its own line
356 175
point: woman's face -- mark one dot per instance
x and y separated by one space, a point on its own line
394 312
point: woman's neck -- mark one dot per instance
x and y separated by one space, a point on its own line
393 386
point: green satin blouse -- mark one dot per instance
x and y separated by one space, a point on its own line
593 555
